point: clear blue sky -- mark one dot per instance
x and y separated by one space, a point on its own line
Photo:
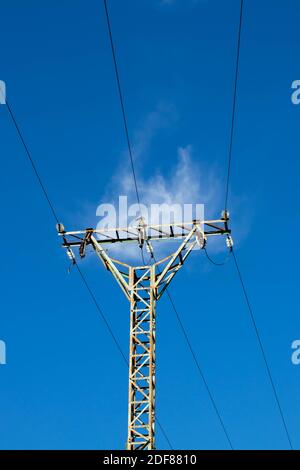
65 385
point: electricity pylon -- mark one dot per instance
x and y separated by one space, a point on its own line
143 286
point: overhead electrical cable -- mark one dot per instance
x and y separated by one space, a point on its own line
32 162
232 127
185 334
122 105
121 98
262 350
217 263
191 349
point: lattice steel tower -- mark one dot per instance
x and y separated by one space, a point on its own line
143 287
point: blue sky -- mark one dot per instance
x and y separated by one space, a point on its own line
64 385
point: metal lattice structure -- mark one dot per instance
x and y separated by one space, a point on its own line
141 401
143 286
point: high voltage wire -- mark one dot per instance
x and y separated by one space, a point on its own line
116 68
184 332
233 253
262 349
115 340
122 105
258 339
32 163
96 303
217 263
191 349
234 102
82 276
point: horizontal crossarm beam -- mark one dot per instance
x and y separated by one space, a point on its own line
152 232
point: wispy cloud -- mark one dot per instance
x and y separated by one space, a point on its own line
159 119
187 181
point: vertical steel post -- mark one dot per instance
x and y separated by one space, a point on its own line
141 407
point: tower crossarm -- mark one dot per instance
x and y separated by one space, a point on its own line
153 232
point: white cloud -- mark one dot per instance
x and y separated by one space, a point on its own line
186 182
162 117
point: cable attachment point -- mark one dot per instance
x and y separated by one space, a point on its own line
229 242
141 231
71 256
200 238
225 215
149 248
60 228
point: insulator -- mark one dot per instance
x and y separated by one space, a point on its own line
141 232
60 228
229 242
71 254
141 238
225 215
200 238
149 247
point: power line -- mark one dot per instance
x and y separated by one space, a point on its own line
96 303
258 337
186 337
234 256
217 263
234 103
200 370
262 349
51 206
121 98
33 165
